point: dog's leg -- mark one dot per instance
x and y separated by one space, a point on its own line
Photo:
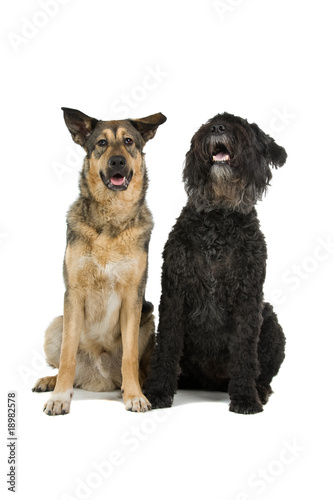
244 364
52 346
146 345
60 400
130 324
270 352
161 383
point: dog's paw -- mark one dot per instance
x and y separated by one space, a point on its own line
264 392
137 404
245 407
59 403
45 384
160 401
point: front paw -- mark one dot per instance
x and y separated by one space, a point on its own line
245 406
159 400
137 404
59 403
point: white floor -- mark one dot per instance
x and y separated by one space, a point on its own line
197 449
269 62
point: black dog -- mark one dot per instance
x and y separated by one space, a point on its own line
215 332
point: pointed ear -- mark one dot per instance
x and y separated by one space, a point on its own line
79 125
147 126
275 154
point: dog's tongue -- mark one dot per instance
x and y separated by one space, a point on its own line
117 180
221 157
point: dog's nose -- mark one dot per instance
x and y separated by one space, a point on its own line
217 129
117 162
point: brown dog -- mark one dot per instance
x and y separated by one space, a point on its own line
105 337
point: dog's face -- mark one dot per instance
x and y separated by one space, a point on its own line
115 159
229 163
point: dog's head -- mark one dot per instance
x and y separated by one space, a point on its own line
229 163
115 158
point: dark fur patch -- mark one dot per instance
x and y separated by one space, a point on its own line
242 183
215 332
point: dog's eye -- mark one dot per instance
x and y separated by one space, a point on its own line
101 142
128 141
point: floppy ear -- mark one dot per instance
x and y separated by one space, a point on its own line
79 125
147 126
275 154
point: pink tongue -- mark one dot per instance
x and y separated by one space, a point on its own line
221 157
117 181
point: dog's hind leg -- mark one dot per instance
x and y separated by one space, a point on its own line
90 374
270 352
52 347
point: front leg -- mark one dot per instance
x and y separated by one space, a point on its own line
60 400
244 364
130 317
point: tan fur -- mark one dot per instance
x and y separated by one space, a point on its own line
104 339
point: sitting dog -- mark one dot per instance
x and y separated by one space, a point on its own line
105 337
215 331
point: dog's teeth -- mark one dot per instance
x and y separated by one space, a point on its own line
221 157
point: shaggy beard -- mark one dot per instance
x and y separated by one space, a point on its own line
223 188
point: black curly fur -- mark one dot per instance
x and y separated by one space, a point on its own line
215 332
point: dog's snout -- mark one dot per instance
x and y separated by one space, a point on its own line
217 129
117 162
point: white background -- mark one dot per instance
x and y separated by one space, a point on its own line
267 61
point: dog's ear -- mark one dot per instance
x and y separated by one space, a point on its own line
79 125
275 154
147 126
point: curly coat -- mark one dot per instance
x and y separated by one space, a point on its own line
215 331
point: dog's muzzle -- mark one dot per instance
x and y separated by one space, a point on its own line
218 145
118 175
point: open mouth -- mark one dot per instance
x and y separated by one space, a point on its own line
117 182
221 154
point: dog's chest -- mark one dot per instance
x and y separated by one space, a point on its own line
221 248
216 256
213 256
103 263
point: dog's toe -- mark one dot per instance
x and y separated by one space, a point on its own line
246 407
138 404
58 404
45 384
158 401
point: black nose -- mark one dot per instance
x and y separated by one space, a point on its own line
217 129
117 162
